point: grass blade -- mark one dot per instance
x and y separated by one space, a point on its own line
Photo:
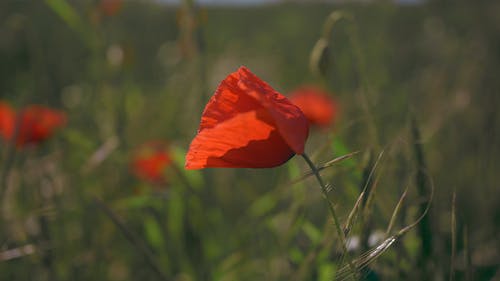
396 211
425 230
371 255
324 166
132 238
66 13
453 236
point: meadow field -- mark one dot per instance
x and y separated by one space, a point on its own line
100 101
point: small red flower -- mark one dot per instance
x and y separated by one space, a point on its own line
149 162
37 123
34 124
247 124
7 120
110 7
316 104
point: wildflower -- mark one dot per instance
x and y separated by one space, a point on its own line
7 120
110 7
149 162
37 123
247 124
32 125
319 108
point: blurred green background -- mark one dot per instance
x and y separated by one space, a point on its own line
416 82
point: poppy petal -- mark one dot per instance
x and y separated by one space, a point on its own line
228 101
289 119
247 141
7 121
247 124
317 105
150 160
38 123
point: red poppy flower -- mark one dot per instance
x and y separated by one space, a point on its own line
37 123
110 7
7 121
149 162
319 108
247 124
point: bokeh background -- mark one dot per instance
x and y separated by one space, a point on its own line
418 93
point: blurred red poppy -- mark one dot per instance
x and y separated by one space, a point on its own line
247 124
110 7
317 105
7 120
37 123
149 162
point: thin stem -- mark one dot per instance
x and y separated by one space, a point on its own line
324 191
132 238
453 236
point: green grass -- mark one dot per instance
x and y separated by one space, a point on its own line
395 70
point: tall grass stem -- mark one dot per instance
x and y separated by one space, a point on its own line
331 207
132 238
453 236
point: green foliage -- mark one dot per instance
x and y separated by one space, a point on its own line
146 72
66 12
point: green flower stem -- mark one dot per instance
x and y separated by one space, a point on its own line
324 190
